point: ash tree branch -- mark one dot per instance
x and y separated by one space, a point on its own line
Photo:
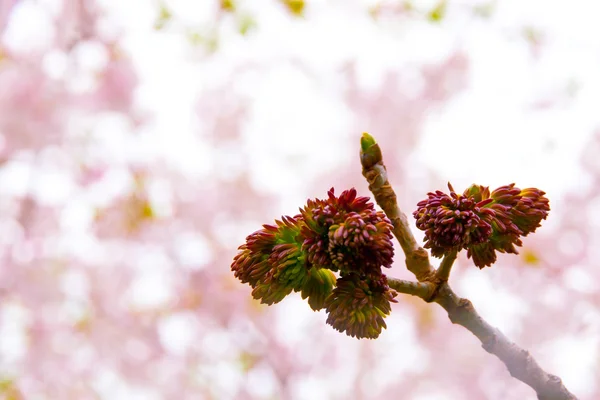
424 290
519 362
433 286
443 272
417 258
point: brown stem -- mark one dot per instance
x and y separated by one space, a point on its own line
417 258
519 362
443 272
424 290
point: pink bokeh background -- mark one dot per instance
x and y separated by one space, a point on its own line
140 142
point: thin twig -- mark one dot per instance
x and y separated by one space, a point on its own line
417 258
424 290
443 272
519 362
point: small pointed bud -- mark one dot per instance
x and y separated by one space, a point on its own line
370 152
366 141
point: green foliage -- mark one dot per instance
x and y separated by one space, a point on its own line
438 12
296 7
246 24
164 16
228 5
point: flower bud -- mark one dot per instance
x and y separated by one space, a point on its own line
358 305
345 233
272 261
480 221
454 221
318 287
530 210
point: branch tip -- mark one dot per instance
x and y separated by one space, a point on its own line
366 141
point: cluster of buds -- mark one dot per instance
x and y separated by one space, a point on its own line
342 234
479 221
358 305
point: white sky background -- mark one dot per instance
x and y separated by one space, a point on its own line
535 148
530 147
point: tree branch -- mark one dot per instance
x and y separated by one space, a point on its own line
424 290
519 362
443 272
417 258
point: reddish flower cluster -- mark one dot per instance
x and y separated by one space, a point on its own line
358 305
347 234
344 234
272 262
479 221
